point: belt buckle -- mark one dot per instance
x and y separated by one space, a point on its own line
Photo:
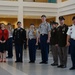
42 34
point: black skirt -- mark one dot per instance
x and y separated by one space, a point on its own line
3 47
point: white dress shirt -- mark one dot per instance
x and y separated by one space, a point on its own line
71 31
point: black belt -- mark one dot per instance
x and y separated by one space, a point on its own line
32 39
44 34
72 39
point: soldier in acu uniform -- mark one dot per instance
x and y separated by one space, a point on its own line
53 42
19 36
44 30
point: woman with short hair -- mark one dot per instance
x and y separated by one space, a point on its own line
3 42
32 42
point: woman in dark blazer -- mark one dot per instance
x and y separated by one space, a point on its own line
3 44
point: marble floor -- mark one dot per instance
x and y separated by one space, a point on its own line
25 68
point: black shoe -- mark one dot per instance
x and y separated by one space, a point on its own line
43 62
72 68
21 61
53 64
16 61
64 66
60 66
9 57
31 61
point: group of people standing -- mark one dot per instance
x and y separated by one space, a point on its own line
60 37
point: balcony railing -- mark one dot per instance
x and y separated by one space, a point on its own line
51 1
45 1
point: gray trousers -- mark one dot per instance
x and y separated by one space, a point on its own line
63 51
55 54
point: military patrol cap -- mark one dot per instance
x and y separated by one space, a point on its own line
53 22
56 22
18 22
61 18
73 18
43 16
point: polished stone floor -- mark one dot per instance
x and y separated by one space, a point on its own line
25 68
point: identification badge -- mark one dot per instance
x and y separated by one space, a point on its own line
63 29
63 32
53 30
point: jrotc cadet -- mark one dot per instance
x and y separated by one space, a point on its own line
71 42
44 30
53 42
32 42
62 49
19 37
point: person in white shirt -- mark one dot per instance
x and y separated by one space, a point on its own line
71 42
10 42
32 43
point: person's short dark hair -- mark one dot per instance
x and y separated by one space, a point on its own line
53 23
57 23
18 22
2 23
9 24
73 18
61 18
31 24
43 16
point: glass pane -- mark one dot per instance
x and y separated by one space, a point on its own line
28 0
52 1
